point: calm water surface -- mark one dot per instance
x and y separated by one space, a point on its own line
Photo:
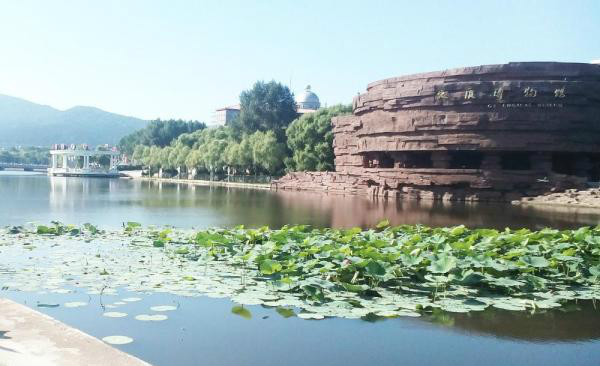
204 331
110 202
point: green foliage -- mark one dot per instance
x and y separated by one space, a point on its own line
158 133
441 264
25 155
511 270
182 251
267 153
266 107
269 266
255 143
217 151
132 226
285 312
382 224
42 229
57 228
91 228
310 140
160 238
241 311
387 271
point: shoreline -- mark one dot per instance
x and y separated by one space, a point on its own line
200 182
588 199
34 338
571 198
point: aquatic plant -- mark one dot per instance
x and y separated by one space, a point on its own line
456 269
386 271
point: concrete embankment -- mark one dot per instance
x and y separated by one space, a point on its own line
199 182
587 198
30 338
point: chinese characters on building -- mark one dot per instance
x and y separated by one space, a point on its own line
501 94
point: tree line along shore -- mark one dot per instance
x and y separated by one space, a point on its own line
268 138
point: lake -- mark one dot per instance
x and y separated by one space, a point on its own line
30 197
204 330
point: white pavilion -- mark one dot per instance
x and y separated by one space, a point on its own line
74 161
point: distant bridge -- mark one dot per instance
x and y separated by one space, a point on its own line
25 167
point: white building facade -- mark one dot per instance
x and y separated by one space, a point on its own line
308 101
225 115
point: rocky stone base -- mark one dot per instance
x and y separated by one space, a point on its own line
327 182
377 186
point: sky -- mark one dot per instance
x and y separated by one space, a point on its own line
183 59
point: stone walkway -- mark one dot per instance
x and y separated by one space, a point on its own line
588 198
199 182
29 338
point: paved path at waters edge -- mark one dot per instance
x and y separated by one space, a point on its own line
30 338
208 182
587 198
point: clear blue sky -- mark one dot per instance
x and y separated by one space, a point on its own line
182 59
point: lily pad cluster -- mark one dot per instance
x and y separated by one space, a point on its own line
386 271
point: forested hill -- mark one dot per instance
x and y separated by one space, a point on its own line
30 124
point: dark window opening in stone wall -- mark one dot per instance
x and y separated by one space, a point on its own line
515 160
370 161
366 161
522 185
563 163
461 185
577 164
465 159
414 159
595 168
404 159
378 160
386 161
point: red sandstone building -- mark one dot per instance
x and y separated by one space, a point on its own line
485 133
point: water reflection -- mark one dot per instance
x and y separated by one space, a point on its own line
364 212
574 322
205 328
208 329
109 202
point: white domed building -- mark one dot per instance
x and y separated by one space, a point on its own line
308 101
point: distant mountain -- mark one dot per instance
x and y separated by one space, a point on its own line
31 124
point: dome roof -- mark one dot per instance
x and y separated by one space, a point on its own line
308 100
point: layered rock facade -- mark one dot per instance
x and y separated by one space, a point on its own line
486 133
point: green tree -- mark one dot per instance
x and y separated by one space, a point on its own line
155 157
266 107
158 133
238 155
182 153
145 152
267 153
193 162
25 155
138 154
310 140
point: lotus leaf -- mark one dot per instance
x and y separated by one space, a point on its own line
386 271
